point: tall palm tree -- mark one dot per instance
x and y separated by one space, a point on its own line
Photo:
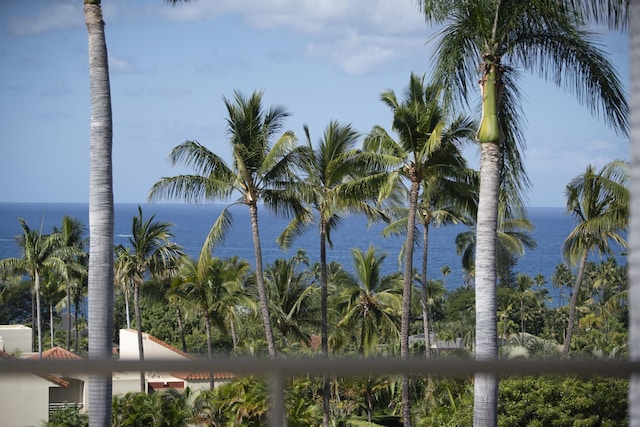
634 228
263 171
448 196
153 254
426 141
499 38
338 180
72 233
370 302
101 215
599 203
40 254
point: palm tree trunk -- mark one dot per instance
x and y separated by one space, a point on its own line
262 291
68 343
101 295
38 314
634 229
138 314
234 335
486 385
574 302
126 307
181 329
324 320
34 316
424 294
406 297
207 327
51 323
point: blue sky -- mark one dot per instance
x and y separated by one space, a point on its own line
171 66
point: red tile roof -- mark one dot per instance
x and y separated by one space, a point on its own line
53 379
57 353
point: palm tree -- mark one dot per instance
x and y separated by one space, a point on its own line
263 171
40 254
499 38
124 271
599 203
448 196
513 238
152 254
72 234
291 297
427 145
634 266
101 295
370 302
213 287
338 180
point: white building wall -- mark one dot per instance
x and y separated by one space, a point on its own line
15 338
24 400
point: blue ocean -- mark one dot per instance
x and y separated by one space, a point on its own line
191 224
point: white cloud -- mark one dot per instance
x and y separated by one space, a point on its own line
127 65
359 35
56 16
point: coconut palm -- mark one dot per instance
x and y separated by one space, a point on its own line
370 303
427 145
513 238
599 203
338 180
153 254
40 254
124 271
448 196
213 287
72 233
291 298
500 38
263 172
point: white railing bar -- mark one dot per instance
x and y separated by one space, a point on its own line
347 367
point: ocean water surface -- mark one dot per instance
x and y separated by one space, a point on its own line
191 224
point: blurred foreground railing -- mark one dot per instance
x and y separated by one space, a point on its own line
277 370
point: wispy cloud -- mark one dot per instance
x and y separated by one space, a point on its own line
360 36
55 16
127 65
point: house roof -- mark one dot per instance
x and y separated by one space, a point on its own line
59 381
187 376
202 376
57 353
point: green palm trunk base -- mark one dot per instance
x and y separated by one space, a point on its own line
489 130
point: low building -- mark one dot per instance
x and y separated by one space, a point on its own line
156 349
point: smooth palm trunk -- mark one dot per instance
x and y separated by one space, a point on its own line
262 291
406 297
485 397
574 302
138 314
324 322
424 293
100 316
207 326
38 314
634 230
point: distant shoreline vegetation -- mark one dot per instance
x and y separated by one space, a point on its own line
191 222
